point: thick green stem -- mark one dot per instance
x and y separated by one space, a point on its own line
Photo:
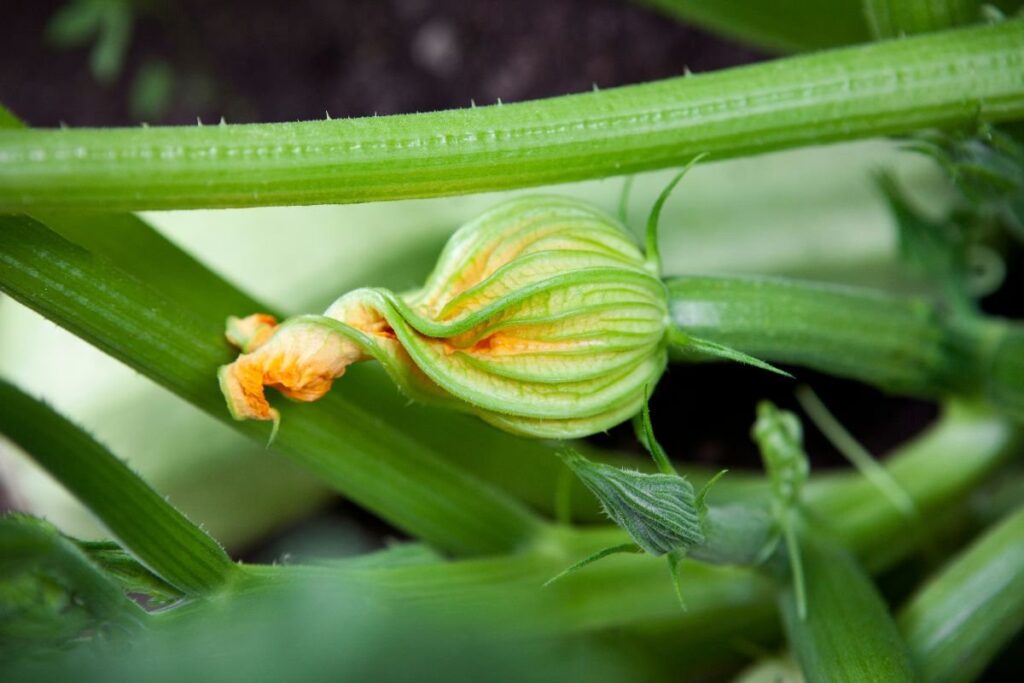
848 633
634 589
134 246
897 343
955 78
146 524
340 439
957 623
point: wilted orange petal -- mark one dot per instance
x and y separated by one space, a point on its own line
301 361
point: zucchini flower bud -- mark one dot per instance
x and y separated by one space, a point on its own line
542 316
660 512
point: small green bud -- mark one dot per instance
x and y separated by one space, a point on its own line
542 316
658 511
780 437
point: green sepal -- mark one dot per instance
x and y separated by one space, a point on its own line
675 559
703 349
590 559
779 436
651 234
701 499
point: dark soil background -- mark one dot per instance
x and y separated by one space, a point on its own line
260 60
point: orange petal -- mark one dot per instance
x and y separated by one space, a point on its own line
251 332
300 360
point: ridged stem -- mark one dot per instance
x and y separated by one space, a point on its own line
146 524
847 633
898 343
981 593
959 77
780 25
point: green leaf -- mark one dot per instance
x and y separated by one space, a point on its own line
934 249
986 166
590 559
74 23
8 119
897 18
115 30
151 91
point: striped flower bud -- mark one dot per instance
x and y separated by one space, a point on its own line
660 512
542 316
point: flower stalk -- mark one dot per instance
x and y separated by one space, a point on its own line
901 344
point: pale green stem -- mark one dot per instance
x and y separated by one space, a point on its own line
848 633
957 78
139 517
965 614
853 451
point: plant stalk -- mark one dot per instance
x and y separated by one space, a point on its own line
146 524
954 78
847 633
898 343
980 593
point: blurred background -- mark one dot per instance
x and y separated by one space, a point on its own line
122 62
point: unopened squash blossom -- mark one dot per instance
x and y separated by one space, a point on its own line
542 316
